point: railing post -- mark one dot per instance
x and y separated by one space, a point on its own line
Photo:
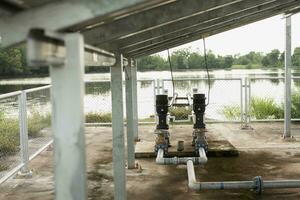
241 102
246 104
25 171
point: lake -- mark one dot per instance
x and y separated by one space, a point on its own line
225 89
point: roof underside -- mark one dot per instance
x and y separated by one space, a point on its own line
135 27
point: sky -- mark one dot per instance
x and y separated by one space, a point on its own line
261 36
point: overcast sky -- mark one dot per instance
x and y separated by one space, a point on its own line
262 36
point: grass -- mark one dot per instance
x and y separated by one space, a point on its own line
231 112
9 135
296 105
37 122
264 108
94 117
9 131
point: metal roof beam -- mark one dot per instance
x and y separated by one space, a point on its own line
218 28
150 19
63 14
197 23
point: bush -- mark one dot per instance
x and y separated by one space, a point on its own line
98 117
180 112
296 106
264 108
9 135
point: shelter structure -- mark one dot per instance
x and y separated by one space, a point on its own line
68 35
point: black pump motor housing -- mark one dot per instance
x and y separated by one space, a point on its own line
162 109
199 110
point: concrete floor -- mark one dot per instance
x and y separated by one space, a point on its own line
262 152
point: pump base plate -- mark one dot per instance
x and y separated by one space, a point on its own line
217 147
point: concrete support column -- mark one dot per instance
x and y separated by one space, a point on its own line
118 129
287 85
129 115
68 122
135 101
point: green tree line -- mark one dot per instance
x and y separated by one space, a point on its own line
185 59
13 61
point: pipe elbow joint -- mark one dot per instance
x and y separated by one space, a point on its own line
194 186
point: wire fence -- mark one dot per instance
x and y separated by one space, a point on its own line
25 116
266 99
10 155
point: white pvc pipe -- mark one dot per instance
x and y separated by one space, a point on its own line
202 159
193 184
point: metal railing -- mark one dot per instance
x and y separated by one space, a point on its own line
22 135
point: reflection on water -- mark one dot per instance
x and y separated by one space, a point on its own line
97 88
223 92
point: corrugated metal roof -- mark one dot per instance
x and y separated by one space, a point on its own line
136 27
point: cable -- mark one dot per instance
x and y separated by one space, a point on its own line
205 60
171 70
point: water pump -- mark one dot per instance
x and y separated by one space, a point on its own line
199 138
162 128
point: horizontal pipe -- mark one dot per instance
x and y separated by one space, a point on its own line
202 159
257 183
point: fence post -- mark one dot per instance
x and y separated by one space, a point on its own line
25 171
246 86
241 99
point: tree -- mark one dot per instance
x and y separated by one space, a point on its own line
179 59
154 62
196 61
296 57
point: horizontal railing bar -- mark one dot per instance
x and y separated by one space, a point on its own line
37 89
192 79
11 94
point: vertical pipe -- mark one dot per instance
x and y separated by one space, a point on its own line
134 101
129 115
287 85
118 129
23 133
68 122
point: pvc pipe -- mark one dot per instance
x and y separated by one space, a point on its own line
257 183
202 159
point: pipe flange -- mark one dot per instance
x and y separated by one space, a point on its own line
259 184
161 146
203 144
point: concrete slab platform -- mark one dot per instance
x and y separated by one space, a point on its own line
219 147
